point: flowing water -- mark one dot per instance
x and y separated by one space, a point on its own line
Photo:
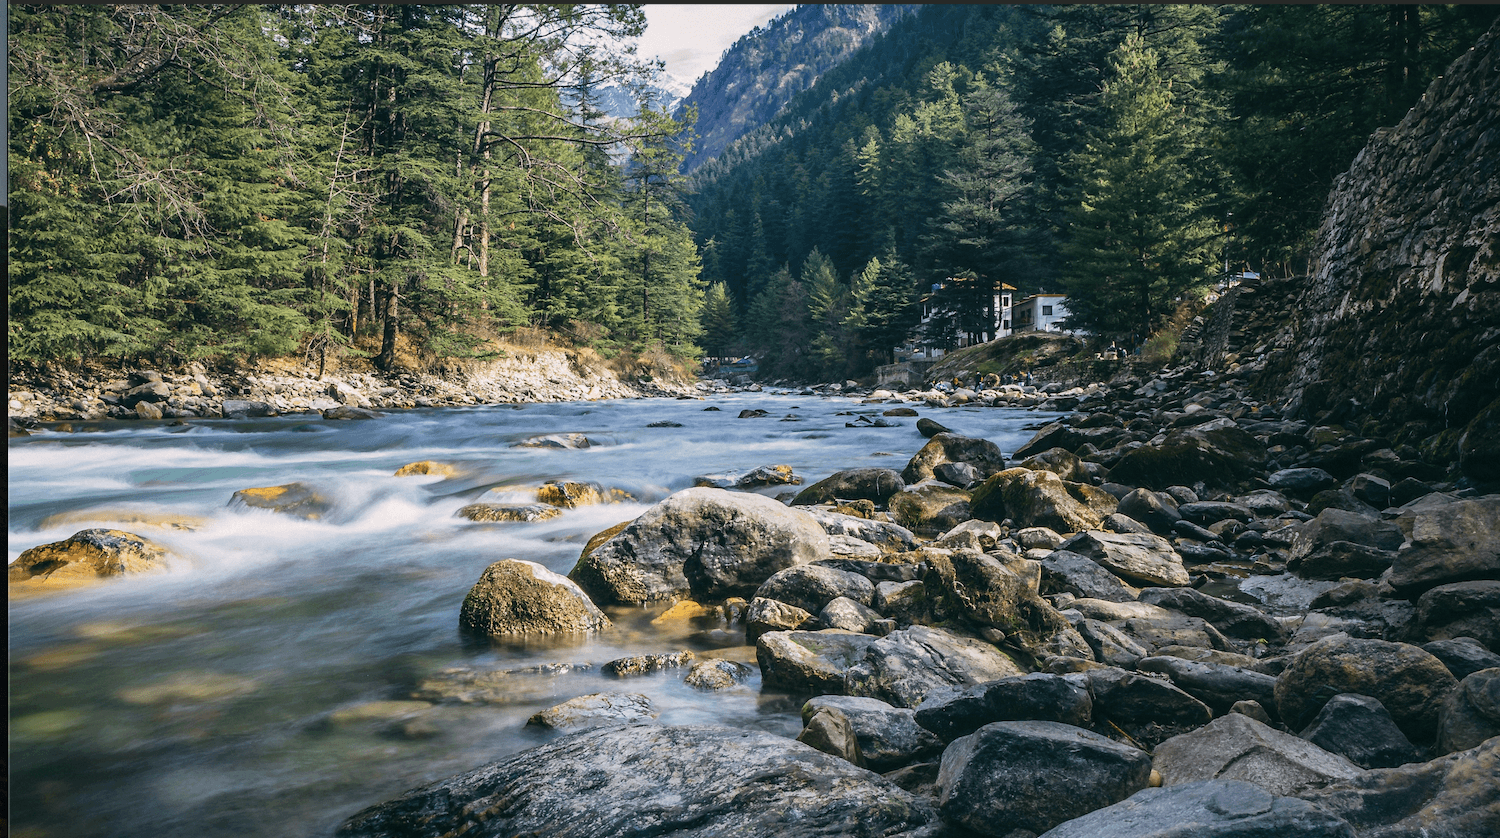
262 685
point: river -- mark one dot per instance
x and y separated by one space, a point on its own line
261 686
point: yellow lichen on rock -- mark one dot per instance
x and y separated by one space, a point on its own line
83 558
684 610
296 499
426 467
602 537
124 516
571 495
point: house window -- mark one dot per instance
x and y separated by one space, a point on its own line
1046 311
1005 324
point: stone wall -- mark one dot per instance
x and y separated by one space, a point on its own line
1398 328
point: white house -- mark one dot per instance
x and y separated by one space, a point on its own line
1039 313
996 320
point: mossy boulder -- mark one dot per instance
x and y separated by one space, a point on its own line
84 557
515 597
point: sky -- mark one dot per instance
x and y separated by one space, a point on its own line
691 38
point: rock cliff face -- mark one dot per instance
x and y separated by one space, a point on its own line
1400 321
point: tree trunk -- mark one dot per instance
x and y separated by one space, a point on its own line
387 357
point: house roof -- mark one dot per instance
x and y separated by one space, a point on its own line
1043 297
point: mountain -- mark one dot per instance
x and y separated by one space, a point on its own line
667 94
771 64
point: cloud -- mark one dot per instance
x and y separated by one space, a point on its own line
691 38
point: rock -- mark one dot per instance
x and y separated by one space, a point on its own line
878 571
706 543
83 557
831 732
1411 683
902 411
638 665
427 467
566 441
502 512
765 615
1455 795
519 597
973 535
1217 685
1034 775
904 666
1111 646
926 427
1038 696
1358 728
148 410
1449 542
755 478
1223 457
810 587
1156 510
874 484
349 412
1115 522
1041 499
1237 747
844 613
597 710
887 737
906 602
1463 656
243 409
1232 618
1137 559
1207 512
1265 503
929 507
1206 809
981 589
1335 525
716 674
1460 609
1341 560
1370 489
888 537
571 494
1253 709
658 780
953 448
843 546
296 499
961 475
1068 438
751 413
1471 713
1031 538
808 662
1301 482
1143 705
1063 463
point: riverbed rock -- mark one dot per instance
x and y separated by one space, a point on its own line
245 409
560 441
1455 795
1063 463
1411 683
962 475
1218 685
1210 455
1041 499
1138 559
1034 775
520 597
655 780
1064 571
810 587
1463 656
345 411
1234 619
765 615
1301 482
845 613
926 427
904 666
1459 609
1148 708
503 512
929 507
873 484
597 710
982 454
427 467
1038 696
983 590
1156 510
1449 542
702 543
716 674
780 475
1471 713
298 500
1358 728
888 737
1206 809
1237 747
809 662
888 537
634 666
84 557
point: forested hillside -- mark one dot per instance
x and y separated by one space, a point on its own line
1122 154
217 182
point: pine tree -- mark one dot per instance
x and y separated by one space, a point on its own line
719 333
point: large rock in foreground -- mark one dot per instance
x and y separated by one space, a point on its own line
703 543
654 780
516 597
1409 681
1454 797
85 556
1206 809
1237 747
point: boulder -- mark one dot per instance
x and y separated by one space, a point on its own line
1069 438
1038 696
808 662
765 615
1111 646
1237 747
1411 683
1301 482
831 732
1144 706
961 475
953 448
926 427
636 665
1358 728
755 478
563 441
845 613
905 602
1034 775
1463 656
1455 795
296 499
1157 510
503 512
873 484
1206 809
888 737
1471 713
703 543
1207 512
518 597
427 467
1342 560
1335 525
1061 462
655 780
245 409
1234 619
904 666
1460 609
1210 455
980 589
930 507
888 537
568 494
1215 684
345 411
716 674
1449 542
597 710
810 587
1137 559
1041 499
83 557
